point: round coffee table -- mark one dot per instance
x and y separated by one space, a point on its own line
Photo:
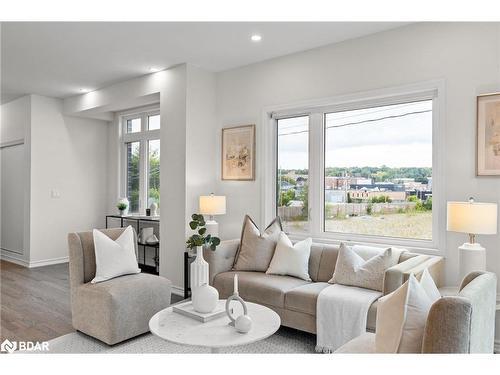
217 333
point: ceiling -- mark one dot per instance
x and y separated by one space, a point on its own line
58 59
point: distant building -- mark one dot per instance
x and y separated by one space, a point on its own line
381 186
335 196
340 183
366 194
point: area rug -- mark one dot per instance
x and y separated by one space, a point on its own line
285 340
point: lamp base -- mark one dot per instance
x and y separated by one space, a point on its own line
471 257
212 227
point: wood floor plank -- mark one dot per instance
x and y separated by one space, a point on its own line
35 302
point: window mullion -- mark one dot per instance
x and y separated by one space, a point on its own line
315 172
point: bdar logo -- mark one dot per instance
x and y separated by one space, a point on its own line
8 346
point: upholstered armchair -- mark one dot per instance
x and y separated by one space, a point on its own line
464 323
116 309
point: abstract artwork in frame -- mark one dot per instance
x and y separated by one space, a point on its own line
488 135
238 153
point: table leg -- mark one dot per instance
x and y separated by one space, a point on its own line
214 350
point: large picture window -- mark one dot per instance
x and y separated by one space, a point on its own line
378 171
292 174
141 159
359 171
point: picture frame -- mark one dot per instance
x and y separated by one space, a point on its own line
488 135
238 153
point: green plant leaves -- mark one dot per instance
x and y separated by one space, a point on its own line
199 239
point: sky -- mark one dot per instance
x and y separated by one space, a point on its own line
364 138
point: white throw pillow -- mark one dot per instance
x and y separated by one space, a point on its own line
290 259
114 258
402 315
351 269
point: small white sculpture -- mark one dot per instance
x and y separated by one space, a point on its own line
205 298
152 240
243 324
153 209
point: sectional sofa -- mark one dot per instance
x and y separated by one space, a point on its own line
294 299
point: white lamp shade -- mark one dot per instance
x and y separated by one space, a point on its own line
473 218
212 205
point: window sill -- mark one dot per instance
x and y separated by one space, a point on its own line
413 245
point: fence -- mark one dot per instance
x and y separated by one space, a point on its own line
344 209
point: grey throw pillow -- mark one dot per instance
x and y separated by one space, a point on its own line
351 269
256 248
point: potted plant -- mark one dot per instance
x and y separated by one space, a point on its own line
199 267
199 239
122 206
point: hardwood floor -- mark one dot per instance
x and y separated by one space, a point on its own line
35 302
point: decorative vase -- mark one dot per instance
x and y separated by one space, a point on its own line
125 201
205 298
199 270
153 209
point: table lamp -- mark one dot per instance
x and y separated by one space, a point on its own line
212 205
472 218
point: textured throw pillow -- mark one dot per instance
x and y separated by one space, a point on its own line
256 248
114 258
351 269
290 259
402 315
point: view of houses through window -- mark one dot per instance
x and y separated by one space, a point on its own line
292 174
377 177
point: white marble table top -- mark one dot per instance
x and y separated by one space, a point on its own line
214 334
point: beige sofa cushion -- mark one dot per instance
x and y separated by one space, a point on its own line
352 269
257 286
256 248
303 298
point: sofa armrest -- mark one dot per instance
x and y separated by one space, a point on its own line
397 275
222 259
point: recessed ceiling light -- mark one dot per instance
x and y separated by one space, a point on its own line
153 69
256 38
84 90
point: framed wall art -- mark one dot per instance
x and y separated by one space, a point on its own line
238 153
488 135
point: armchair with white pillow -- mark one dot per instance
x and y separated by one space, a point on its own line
110 299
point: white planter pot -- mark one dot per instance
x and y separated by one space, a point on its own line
199 270
124 200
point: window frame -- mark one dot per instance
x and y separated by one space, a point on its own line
316 110
143 137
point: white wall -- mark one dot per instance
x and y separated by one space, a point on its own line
466 56
15 128
187 109
201 161
68 156
15 120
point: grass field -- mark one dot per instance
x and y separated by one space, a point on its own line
416 225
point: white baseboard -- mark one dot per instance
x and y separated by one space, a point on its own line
178 291
13 258
48 262
17 259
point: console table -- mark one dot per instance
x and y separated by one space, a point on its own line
138 220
